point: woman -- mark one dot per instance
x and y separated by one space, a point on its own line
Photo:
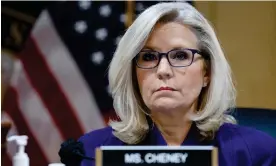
172 85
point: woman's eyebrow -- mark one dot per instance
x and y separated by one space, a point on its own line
148 48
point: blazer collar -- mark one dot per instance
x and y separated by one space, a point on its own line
154 137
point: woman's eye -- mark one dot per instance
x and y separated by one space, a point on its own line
149 57
180 56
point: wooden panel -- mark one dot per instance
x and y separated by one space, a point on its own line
247 31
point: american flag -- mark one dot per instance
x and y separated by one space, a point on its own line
59 87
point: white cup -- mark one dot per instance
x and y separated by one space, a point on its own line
56 164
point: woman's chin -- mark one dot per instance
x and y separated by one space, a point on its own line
166 105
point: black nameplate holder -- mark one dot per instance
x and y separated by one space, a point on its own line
156 156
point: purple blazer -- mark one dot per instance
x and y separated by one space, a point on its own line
237 145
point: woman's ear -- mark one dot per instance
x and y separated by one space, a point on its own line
206 72
206 80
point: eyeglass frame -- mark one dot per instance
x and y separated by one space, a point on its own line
161 54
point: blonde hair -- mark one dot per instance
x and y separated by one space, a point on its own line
218 97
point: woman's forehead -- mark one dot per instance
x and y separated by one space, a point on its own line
171 35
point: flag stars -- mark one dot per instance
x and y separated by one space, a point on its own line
122 18
80 26
101 34
97 57
140 7
117 40
105 10
84 5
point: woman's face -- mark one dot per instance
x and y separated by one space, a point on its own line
167 88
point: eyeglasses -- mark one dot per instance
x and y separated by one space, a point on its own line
148 59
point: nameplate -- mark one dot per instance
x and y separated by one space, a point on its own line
156 156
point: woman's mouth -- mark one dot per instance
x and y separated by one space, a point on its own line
166 88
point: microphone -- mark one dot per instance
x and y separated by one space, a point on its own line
72 153
86 157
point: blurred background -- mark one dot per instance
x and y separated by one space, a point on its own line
54 59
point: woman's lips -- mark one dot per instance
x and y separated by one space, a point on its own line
165 88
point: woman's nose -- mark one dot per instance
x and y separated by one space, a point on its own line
164 69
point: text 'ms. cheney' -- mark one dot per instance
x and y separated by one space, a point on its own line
150 158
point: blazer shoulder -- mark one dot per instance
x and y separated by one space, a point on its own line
93 140
260 146
96 137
